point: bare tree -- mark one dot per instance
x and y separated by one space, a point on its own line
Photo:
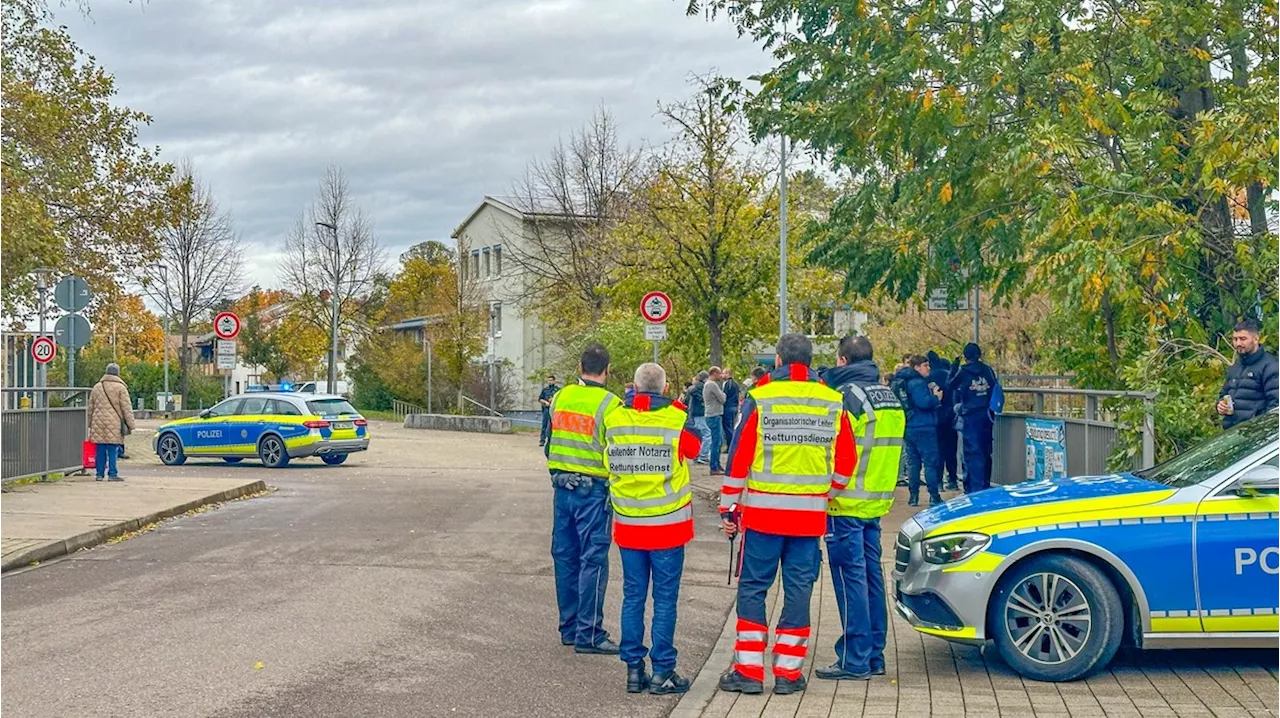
571 200
331 249
201 261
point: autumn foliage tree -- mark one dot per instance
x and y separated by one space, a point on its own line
1114 157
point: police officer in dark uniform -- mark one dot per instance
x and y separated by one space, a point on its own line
972 387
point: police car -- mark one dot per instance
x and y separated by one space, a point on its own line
273 426
1059 573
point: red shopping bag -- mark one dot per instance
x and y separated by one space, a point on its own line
89 455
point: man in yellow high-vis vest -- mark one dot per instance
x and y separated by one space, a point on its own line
649 444
580 530
853 514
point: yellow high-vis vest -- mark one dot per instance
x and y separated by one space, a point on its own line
577 430
796 433
878 431
648 481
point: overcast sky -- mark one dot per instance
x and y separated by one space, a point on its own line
427 105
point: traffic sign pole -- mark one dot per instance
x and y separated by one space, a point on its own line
655 308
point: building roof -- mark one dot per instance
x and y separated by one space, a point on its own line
525 208
414 323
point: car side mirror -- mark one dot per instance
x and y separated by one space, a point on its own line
1259 481
206 413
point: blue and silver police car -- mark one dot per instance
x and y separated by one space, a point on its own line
273 426
1059 573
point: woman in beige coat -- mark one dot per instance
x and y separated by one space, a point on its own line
109 414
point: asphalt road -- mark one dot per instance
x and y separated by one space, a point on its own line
415 580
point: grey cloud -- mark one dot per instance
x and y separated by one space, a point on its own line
426 105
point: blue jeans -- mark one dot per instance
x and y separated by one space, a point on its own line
715 427
700 422
665 566
922 450
800 558
977 451
105 459
580 536
853 550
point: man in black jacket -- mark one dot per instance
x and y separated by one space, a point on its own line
971 388
940 376
732 397
544 398
1253 383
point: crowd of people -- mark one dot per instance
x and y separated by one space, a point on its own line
808 458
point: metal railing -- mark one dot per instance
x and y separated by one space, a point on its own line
403 408
1092 419
47 438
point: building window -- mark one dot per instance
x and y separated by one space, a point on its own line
497 260
488 265
495 318
475 263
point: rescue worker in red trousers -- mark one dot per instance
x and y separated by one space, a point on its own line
793 446
580 528
648 446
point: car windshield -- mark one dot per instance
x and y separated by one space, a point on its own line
329 407
1207 458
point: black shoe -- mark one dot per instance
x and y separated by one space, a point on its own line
903 482
603 648
786 686
953 486
835 673
877 670
115 478
735 682
664 683
637 679
913 501
935 501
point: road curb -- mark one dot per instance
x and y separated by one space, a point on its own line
62 547
707 682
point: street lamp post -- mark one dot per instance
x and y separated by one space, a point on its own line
333 327
164 281
782 243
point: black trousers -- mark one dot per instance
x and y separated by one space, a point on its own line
948 441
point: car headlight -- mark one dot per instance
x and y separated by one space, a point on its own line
953 547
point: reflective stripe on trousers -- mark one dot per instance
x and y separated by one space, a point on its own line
748 650
789 650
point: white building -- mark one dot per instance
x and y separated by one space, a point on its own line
514 338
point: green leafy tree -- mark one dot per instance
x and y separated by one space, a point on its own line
1115 158
80 194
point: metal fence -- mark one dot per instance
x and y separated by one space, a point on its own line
403 408
1092 419
44 440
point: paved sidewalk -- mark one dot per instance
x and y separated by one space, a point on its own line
46 520
927 676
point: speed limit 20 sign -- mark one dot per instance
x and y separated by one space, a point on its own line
226 325
43 350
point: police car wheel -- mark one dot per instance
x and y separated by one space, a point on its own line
272 452
333 459
1056 618
170 450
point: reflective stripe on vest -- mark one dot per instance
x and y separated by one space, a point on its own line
577 427
648 482
796 432
879 434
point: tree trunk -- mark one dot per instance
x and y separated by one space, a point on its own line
715 329
1254 196
1113 350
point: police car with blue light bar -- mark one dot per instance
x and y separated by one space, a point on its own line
273 426
1060 573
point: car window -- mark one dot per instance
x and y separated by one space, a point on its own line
226 408
1216 454
326 407
253 406
284 408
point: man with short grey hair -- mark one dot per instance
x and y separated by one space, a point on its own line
713 400
650 378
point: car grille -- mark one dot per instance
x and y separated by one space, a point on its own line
931 609
901 553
